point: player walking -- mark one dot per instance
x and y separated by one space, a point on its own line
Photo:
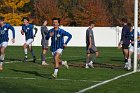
44 42
125 41
91 49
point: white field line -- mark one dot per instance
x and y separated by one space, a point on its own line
15 78
104 82
32 59
77 80
32 78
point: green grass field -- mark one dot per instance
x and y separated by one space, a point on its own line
19 77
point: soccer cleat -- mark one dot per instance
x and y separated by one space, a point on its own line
25 59
34 59
65 64
90 64
129 66
54 76
44 64
126 65
86 66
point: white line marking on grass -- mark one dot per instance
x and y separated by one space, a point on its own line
77 80
29 78
32 78
16 78
104 82
32 59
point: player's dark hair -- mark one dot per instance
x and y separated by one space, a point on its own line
2 18
91 22
129 25
124 20
55 18
25 18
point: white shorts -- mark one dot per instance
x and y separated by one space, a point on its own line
131 48
4 44
58 51
29 41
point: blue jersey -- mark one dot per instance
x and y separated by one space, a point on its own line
57 40
4 32
125 36
28 30
132 38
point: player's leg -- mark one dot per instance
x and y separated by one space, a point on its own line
125 53
87 56
29 43
90 58
138 56
0 58
32 52
56 66
57 55
64 63
131 50
2 54
87 60
43 55
25 52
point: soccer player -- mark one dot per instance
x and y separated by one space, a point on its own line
131 48
27 29
44 42
57 43
125 41
91 49
4 28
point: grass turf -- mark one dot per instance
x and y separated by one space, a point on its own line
19 77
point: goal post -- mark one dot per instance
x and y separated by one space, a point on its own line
135 33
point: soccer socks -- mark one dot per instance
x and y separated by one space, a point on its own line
2 58
125 60
129 64
25 51
1 61
93 57
33 54
87 59
43 58
55 71
63 62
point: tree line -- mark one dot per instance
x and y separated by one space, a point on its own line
71 12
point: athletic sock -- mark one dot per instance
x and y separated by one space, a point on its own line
62 62
43 57
25 51
93 57
2 57
32 52
87 60
129 62
26 56
125 60
55 71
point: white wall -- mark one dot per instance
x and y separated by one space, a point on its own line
104 36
